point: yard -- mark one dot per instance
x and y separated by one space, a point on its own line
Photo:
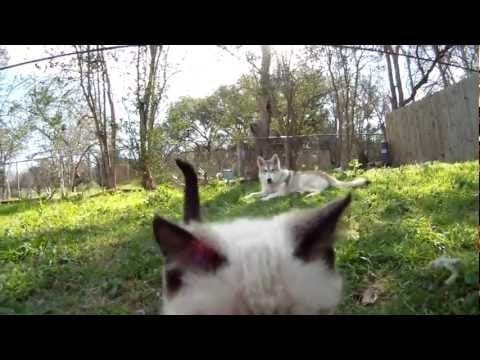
96 254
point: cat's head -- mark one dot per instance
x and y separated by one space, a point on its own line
281 265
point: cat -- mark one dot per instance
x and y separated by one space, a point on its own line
283 265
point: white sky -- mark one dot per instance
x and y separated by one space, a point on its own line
203 68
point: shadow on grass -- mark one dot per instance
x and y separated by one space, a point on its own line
92 270
18 207
231 204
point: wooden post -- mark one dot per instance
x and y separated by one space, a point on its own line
240 159
18 180
9 194
286 146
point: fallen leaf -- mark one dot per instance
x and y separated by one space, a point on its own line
374 290
369 296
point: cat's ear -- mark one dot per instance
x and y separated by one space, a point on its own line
179 245
260 161
314 234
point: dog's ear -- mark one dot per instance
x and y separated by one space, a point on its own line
260 161
182 247
276 160
314 234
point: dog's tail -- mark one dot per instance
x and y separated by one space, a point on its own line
345 184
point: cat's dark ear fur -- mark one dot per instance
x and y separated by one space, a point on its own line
315 235
182 247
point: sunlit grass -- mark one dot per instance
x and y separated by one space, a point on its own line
96 255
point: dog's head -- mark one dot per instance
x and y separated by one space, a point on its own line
282 265
269 170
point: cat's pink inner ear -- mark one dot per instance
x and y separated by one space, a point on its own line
203 256
185 248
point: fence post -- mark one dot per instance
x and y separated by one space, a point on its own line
9 194
18 180
240 160
286 146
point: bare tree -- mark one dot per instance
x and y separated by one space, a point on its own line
261 129
398 99
96 88
60 117
299 94
15 127
152 77
344 68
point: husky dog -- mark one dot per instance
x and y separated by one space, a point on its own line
281 265
276 181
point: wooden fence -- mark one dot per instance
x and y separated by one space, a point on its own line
443 126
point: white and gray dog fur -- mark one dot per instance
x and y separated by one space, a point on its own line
276 181
280 265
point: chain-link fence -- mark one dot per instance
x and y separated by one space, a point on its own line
310 152
52 175
48 176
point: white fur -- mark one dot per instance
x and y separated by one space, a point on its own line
261 276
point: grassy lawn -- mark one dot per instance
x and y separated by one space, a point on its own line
96 255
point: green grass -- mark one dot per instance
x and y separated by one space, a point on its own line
96 255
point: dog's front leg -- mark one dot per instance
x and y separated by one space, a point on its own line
260 193
271 196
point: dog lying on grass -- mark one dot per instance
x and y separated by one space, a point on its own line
276 181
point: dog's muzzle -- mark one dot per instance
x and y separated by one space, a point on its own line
269 181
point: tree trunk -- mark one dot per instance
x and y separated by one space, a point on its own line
442 68
3 183
398 78
61 177
240 160
261 130
339 115
393 97
147 179
95 85
9 193
148 100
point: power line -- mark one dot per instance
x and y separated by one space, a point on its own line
405 55
62 55
32 158
35 159
340 46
